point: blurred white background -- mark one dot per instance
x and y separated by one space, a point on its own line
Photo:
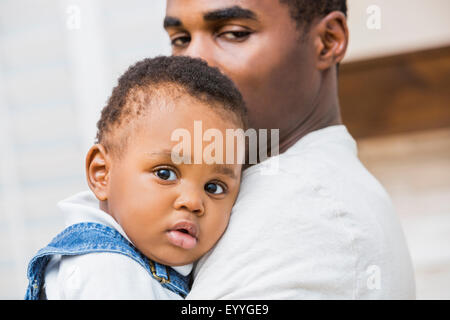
59 61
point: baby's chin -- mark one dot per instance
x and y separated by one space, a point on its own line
173 257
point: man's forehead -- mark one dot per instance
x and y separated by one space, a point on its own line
205 8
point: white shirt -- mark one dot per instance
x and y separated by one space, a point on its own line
322 227
100 275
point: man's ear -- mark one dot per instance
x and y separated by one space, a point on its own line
97 171
331 38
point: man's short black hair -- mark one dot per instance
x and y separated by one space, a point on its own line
305 11
151 76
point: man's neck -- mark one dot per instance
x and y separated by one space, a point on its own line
333 119
306 128
325 112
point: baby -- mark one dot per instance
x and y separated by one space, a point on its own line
155 204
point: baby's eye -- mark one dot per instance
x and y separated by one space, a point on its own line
166 174
214 188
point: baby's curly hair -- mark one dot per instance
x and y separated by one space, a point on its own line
150 78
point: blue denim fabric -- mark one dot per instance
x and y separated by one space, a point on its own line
84 238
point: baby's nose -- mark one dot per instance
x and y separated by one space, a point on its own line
192 201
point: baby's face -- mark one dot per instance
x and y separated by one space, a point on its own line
173 213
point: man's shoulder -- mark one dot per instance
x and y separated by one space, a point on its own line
314 173
333 195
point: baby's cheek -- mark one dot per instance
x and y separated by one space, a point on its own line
140 230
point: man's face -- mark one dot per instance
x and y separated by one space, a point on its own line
257 44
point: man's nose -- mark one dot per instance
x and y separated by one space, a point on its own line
191 200
203 48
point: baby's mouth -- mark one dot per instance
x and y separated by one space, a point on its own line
183 234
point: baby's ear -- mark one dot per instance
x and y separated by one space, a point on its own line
97 171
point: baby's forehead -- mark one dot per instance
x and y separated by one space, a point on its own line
150 112
170 98
161 97
146 98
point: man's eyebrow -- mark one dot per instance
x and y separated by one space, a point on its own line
225 171
172 22
235 12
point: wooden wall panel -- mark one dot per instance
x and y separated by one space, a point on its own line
396 94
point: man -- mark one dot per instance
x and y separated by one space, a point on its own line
321 227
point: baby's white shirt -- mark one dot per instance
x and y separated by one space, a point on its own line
108 276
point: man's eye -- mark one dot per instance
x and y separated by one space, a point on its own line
236 35
180 41
214 188
166 174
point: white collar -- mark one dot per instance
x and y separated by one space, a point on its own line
84 207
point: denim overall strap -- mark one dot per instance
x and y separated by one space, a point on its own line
84 238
